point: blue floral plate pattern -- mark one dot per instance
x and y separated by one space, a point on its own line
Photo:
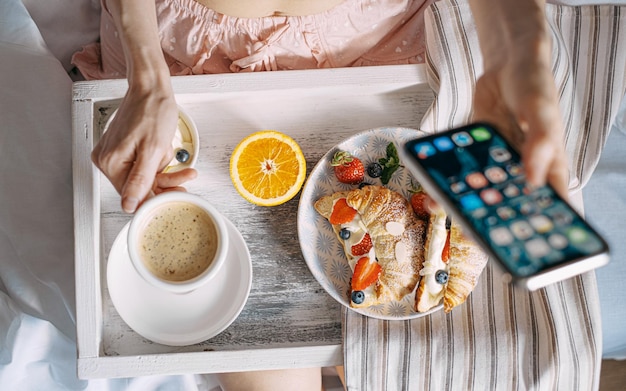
321 249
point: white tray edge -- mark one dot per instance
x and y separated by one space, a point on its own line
91 362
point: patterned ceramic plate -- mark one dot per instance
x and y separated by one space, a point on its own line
321 248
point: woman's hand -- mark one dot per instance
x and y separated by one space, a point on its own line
517 92
520 100
138 145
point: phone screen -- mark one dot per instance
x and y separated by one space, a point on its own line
528 230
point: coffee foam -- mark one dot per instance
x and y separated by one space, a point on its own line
178 241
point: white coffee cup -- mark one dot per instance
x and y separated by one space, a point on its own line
177 241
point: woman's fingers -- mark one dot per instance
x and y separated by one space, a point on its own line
525 110
177 188
114 164
174 179
543 156
139 181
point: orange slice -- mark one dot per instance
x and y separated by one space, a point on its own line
267 168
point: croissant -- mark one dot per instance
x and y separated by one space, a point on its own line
451 276
396 254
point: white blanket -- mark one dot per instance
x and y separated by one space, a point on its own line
37 321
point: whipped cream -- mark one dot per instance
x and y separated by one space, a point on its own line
183 139
433 261
357 233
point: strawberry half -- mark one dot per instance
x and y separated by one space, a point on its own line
348 169
445 254
365 274
342 212
363 247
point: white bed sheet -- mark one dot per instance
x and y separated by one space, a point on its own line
66 25
37 295
37 322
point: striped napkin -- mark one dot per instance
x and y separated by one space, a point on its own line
504 338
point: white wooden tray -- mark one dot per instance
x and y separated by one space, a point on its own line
289 320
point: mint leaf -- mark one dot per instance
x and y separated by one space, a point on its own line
390 163
392 152
387 173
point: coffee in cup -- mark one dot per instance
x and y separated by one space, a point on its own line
177 241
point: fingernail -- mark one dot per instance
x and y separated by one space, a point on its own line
129 204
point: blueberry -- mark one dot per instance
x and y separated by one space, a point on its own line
344 234
441 277
375 170
358 297
363 184
182 155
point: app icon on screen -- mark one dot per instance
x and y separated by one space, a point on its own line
499 154
544 201
522 230
514 169
491 196
479 213
511 190
443 144
526 207
471 202
425 150
458 187
583 240
462 139
560 216
476 180
495 174
537 247
557 241
541 223
491 220
506 213
480 134
501 236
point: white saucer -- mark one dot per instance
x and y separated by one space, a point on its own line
180 319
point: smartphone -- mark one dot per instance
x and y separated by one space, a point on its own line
536 236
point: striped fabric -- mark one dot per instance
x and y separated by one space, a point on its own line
504 338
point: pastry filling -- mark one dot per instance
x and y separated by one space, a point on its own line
433 259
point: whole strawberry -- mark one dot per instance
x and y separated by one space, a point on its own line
348 169
420 201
